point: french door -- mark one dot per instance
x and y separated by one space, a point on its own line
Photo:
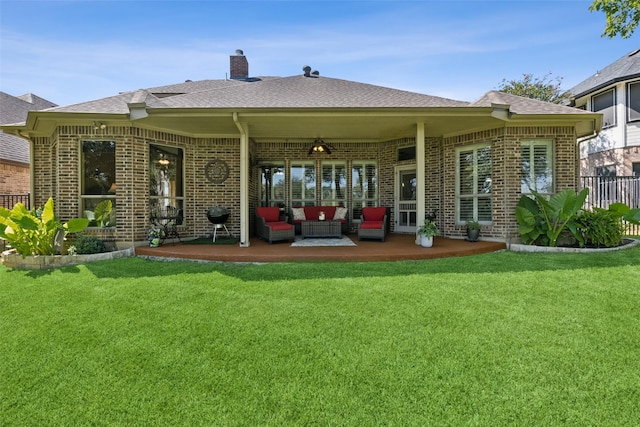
406 205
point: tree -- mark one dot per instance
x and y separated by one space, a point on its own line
622 16
543 89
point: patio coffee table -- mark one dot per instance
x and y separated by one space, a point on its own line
321 229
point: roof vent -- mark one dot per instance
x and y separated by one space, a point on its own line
309 73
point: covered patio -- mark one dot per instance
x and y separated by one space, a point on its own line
396 247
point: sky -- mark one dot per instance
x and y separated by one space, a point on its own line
74 51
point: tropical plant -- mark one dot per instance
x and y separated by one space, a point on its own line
101 216
33 232
543 221
428 229
103 213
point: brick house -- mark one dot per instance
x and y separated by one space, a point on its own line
248 141
613 91
14 151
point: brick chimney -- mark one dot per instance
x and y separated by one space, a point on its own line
239 67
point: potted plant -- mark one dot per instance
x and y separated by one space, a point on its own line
154 235
426 232
473 230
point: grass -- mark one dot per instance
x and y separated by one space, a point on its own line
497 339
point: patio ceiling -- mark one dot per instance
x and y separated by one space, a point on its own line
352 124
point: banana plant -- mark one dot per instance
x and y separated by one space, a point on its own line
33 232
542 221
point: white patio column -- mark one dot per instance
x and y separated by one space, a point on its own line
244 181
420 175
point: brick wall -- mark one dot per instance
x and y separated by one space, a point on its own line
57 163
14 178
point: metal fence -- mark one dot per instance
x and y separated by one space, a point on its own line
605 190
9 200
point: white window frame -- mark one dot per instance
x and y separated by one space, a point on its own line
334 200
633 115
109 187
475 195
304 201
174 200
609 110
548 144
358 203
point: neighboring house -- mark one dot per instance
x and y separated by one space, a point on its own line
14 151
248 142
613 91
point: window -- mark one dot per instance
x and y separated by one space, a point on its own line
166 184
98 183
605 103
609 170
473 198
303 184
635 169
334 184
634 101
272 181
407 153
537 167
364 186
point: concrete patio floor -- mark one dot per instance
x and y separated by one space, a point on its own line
396 247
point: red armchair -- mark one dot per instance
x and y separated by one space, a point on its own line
270 228
373 224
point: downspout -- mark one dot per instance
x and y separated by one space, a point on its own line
244 182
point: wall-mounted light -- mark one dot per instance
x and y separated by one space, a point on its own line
319 147
99 125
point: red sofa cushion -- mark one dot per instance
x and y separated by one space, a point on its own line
279 225
270 214
373 214
312 213
372 224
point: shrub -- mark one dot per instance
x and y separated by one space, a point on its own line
86 244
601 228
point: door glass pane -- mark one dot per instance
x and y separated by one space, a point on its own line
408 185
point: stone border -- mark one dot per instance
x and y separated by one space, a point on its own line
11 259
517 247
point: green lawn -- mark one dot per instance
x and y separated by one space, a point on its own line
490 340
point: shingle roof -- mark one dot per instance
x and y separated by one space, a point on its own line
14 109
625 68
268 92
522 105
306 92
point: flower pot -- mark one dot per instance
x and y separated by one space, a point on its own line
472 234
155 242
426 241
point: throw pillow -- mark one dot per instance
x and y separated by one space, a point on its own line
298 214
341 213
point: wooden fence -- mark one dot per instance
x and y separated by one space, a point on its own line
605 190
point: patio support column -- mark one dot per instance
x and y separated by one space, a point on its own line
420 174
244 181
